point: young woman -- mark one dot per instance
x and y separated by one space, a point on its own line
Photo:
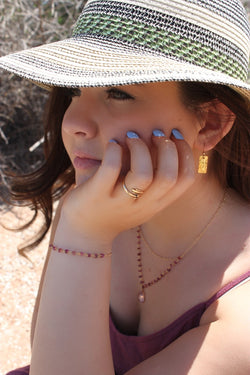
147 147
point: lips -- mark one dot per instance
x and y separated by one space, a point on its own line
83 161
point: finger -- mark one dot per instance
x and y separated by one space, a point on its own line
174 169
110 168
186 172
167 164
140 174
185 167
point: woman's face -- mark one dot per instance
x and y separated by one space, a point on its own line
104 113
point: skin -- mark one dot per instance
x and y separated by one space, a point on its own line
112 121
97 214
140 108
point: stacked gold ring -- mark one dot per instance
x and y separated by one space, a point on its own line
134 192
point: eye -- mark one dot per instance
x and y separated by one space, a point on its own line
117 94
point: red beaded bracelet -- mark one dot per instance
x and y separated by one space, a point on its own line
81 253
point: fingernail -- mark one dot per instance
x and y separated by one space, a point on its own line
177 134
112 141
158 133
132 135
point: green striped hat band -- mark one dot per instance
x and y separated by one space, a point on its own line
208 33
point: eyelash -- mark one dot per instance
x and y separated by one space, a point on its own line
117 94
112 93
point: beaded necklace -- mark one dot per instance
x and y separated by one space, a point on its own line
173 261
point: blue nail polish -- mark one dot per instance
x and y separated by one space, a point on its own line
158 133
113 141
132 135
177 134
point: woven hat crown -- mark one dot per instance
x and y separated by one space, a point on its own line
117 42
209 33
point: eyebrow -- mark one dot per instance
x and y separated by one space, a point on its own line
71 90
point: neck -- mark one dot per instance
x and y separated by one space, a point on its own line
177 226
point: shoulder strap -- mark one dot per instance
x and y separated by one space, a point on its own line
227 287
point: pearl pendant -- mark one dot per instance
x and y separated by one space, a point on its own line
141 296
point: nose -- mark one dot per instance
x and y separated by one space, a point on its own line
79 118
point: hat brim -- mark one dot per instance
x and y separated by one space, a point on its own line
89 62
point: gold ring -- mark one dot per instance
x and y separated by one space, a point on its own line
134 192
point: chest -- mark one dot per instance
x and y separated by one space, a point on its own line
194 280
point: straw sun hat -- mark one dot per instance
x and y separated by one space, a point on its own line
132 41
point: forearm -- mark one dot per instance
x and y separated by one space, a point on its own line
72 330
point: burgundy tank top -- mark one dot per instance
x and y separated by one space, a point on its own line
128 351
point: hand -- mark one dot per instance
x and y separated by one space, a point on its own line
99 209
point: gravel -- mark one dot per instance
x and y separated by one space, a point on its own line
19 281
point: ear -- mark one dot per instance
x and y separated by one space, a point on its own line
217 121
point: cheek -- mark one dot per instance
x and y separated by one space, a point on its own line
65 127
117 127
187 123
63 133
65 139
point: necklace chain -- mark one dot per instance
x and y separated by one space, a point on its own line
174 260
150 248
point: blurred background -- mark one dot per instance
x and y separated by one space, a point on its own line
24 24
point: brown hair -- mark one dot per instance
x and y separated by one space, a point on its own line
41 188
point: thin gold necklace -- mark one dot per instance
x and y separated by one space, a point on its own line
174 261
151 250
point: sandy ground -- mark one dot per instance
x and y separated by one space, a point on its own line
19 280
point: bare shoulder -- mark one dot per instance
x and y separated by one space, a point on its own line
231 313
229 316
233 305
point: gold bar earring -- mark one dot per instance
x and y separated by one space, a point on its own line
203 162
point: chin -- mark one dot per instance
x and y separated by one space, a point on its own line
82 177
